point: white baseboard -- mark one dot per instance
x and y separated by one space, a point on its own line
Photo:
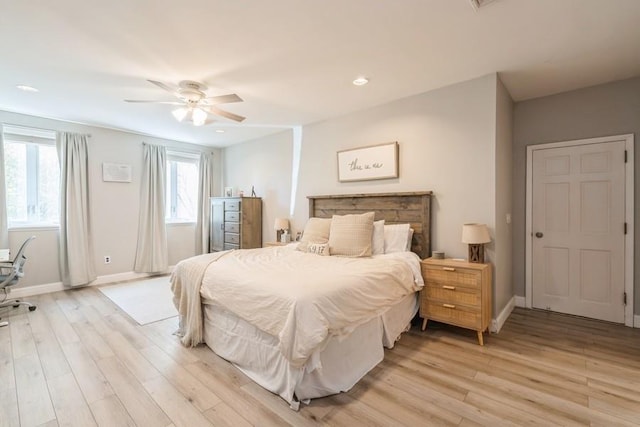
498 323
520 301
46 288
636 321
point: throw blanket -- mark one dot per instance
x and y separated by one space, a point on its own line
185 284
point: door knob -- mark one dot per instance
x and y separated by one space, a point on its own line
539 234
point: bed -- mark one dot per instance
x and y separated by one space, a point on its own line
302 325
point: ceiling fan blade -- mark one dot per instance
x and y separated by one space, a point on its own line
155 102
223 99
218 112
163 86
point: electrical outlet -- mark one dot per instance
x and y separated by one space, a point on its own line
107 259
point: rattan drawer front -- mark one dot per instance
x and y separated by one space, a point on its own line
232 227
454 295
232 238
231 216
458 315
461 277
232 205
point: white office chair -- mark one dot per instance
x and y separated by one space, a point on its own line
10 274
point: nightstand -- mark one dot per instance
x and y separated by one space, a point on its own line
267 244
457 293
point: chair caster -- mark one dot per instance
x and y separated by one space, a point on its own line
32 308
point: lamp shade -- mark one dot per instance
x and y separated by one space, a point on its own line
475 233
281 224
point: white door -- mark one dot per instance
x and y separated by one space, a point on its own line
578 226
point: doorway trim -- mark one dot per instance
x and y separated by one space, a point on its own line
629 215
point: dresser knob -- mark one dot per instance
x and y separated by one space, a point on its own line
451 288
448 305
448 269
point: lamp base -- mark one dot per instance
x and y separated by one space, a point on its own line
476 253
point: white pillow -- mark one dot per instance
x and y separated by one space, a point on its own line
321 249
377 240
316 230
350 235
395 238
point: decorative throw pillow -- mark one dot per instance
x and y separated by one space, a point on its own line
395 238
350 235
377 240
316 230
321 249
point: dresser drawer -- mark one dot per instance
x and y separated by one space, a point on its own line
232 205
228 246
232 227
453 295
232 238
458 315
231 216
451 275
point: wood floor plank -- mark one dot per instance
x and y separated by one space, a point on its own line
70 407
222 415
92 382
140 406
110 412
130 357
34 402
9 415
174 404
190 387
54 363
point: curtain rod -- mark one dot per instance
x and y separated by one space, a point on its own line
37 128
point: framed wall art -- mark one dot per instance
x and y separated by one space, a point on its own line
368 163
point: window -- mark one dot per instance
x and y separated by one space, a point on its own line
182 187
32 176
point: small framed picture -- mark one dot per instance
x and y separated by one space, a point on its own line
228 191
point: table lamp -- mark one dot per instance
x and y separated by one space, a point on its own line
475 235
280 225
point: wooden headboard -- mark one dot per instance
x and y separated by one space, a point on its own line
394 208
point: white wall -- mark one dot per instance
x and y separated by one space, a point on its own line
114 206
448 143
264 164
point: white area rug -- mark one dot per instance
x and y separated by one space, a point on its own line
146 301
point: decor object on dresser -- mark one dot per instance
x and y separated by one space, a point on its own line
457 293
476 235
367 163
280 226
236 223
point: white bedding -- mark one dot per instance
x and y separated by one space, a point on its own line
303 299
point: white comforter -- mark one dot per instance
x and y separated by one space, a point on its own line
303 299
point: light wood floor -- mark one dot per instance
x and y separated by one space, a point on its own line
79 360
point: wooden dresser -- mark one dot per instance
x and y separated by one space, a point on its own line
457 293
236 223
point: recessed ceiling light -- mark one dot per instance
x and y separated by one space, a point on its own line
361 81
27 88
220 130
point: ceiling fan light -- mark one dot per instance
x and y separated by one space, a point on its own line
198 116
180 113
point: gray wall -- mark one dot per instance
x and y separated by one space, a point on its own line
114 206
608 109
447 138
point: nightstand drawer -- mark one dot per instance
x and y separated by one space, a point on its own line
232 227
231 216
458 315
453 295
232 238
452 275
228 246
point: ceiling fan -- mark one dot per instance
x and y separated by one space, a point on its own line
195 105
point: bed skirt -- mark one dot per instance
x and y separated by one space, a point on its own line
334 369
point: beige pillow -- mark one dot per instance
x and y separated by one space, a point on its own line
316 230
350 235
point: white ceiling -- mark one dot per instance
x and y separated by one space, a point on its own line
293 61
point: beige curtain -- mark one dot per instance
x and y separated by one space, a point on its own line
4 229
151 253
206 171
76 249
